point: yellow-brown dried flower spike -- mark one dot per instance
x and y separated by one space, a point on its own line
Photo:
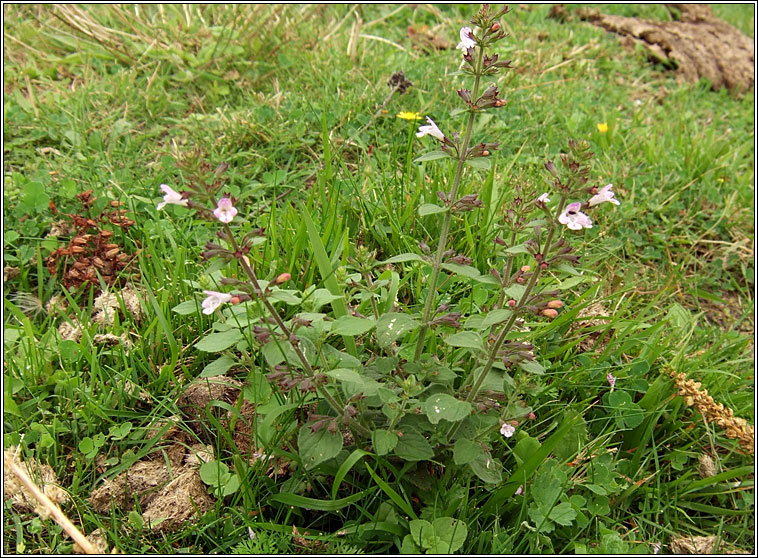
735 427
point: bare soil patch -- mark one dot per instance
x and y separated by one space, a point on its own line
698 45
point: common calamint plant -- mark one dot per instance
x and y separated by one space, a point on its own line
400 395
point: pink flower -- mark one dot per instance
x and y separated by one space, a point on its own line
507 430
171 197
431 129
604 195
519 490
656 547
573 218
214 300
225 211
543 198
466 41
611 380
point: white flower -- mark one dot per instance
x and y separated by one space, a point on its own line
573 218
431 129
466 41
507 430
225 211
214 300
543 198
604 195
171 197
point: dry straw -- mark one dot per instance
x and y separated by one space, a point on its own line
46 508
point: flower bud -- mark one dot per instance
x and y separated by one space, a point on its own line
495 27
531 416
550 167
525 268
543 266
485 153
550 313
511 303
555 304
283 278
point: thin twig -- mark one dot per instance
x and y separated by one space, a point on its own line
12 465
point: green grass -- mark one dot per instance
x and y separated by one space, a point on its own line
274 92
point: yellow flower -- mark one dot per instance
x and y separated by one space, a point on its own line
405 115
602 127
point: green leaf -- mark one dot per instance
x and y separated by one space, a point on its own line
518 249
353 382
412 446
408 546
525 448
352 325
443 406
288 296
496 317
422 532
69 349
216 342
479 163
325 265
451 534
679 318
487 468
9 405
10 237
320 297
430 209
345 375
391 326
316 447
345 467
384 441
532 366
218 476
468 339
563 514
276 352
314 504
469 272
465 451
538 517
572 282
431 156
627 413
546 490
389 491
515 291
529 465
34 198
573 442
218 367
400 258
639 367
